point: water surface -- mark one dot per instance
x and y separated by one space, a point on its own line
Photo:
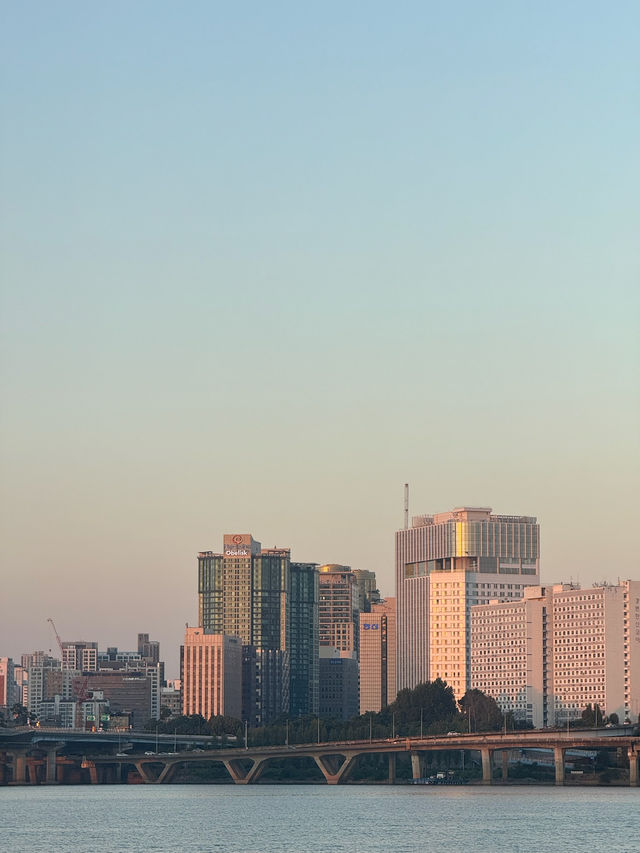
313 818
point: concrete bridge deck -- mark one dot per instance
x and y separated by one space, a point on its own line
41 758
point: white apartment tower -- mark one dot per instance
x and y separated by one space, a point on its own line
445 564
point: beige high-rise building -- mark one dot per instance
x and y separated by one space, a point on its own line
445 564
212 674
560 649
378 656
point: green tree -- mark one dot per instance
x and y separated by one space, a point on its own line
481 710
20 714
431 703
592 715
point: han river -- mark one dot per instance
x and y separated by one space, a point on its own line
315 818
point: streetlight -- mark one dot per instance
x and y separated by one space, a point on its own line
393 725
286 737
318 729
156 738
246 734
370 727
421 710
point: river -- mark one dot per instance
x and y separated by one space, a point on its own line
314 818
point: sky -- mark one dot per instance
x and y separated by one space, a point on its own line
262 264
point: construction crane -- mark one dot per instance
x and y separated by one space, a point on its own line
79 685
59 641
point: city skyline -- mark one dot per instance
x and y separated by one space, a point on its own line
263 267
170 644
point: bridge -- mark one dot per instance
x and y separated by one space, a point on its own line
50 757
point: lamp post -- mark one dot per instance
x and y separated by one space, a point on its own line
246 734
156 738
286 736
370 728
421 734
393 725
318 729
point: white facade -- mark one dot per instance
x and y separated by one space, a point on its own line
560 649
446 564
507 656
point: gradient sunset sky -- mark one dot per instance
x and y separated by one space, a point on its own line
263 263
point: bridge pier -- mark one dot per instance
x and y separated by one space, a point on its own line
558 757
241 776
334 772
418 770
93 771
167 773
487 761
19 767
392 768
51 777
33 766
505 764
633 767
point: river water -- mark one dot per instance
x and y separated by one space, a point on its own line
314 818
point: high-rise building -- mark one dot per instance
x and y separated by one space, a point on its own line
9 693
254 593
338 684
212 674
339 608
303 626
80 654
148 649
559 649
510 659
243 592
378 656
445 564
367 587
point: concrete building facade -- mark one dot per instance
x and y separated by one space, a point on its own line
338 684
212 674
445 564
378 656
339 608
559 649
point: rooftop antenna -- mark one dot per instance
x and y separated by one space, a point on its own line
406 506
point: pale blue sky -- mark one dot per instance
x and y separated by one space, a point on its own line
264 263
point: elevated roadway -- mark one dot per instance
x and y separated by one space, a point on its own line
335 760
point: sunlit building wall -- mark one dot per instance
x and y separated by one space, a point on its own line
559 649
509 656
445 564
378 656
212 674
